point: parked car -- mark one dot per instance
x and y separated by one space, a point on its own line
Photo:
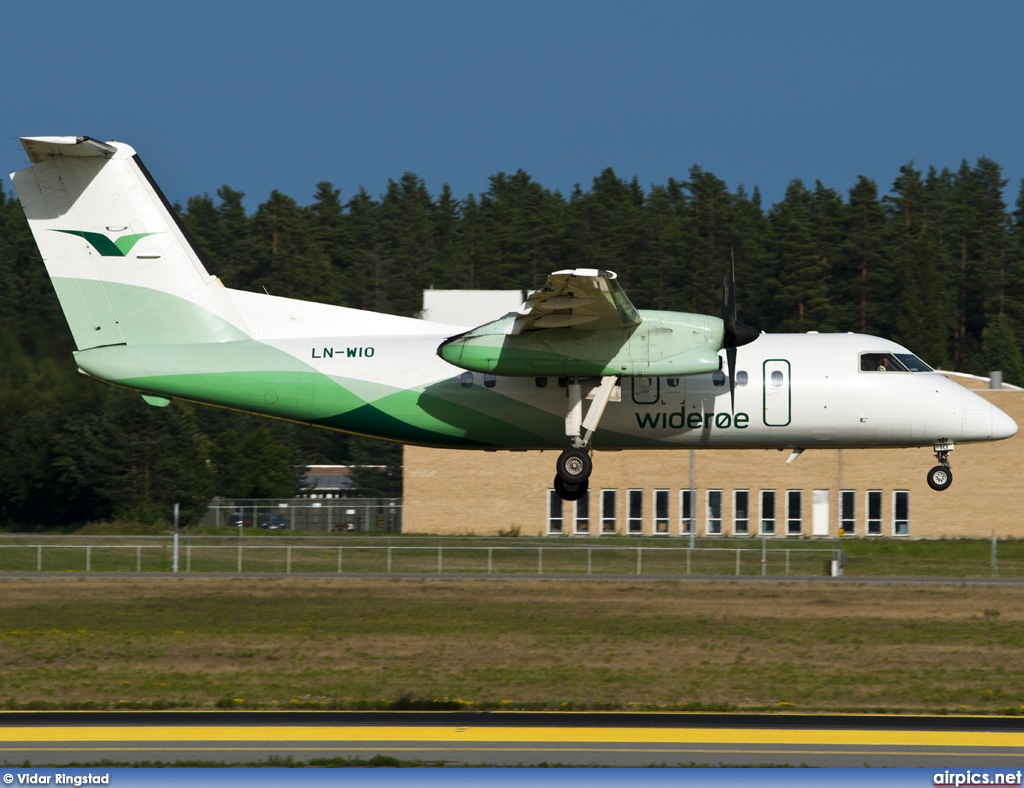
239 520
275 522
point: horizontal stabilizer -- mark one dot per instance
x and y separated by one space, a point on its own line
39 149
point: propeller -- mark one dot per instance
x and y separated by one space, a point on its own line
736 333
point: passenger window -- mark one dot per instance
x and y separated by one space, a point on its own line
776 379
672 382
490 381
718 378
466 379
741 378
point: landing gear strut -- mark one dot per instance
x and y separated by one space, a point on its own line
574 466
941 476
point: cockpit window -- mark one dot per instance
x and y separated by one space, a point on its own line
913 363
892 362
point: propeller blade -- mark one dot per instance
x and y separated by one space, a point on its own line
735 333
730 355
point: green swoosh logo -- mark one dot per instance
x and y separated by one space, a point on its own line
107 247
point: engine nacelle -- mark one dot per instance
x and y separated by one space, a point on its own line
662 344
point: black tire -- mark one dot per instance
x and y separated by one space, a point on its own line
574 466
940 477
570 492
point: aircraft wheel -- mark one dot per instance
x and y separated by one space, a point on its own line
574 466
940 477
570 492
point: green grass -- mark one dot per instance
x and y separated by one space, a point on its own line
382 644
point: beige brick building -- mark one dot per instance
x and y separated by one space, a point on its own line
867 492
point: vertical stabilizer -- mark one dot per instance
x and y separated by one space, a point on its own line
122 265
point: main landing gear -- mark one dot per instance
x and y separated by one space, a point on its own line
574 466
941 476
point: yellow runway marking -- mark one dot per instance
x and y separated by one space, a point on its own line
551 735
484 750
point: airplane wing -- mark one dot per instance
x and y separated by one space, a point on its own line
582 324
582 298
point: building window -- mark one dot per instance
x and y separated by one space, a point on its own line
635 511
901 513
661 512
847 512
555 508
741 512
685 511
581 524
714 519
768 512
794 512
874 513
608 503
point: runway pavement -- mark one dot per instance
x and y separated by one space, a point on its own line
513 738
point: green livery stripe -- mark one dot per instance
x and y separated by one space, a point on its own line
143 315
106 247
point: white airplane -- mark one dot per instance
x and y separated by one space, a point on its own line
147 314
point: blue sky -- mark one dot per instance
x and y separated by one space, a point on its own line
281 95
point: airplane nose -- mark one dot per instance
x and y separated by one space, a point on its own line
1002 425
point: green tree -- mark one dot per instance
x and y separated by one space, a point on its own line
253 465
1001 351
801 239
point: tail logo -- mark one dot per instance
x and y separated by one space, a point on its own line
107 247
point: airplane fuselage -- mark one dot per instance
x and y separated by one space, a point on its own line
793 391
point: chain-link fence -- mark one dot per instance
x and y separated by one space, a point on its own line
323 515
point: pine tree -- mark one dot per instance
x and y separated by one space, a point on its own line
798 240
862 274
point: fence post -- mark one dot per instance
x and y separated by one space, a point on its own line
590 559
39 558
389 558
787 562
138 559
339 559
188 557
689 551
764 554
540 560
995 557
288 561
737 561
639 558
440 558
239 558
88 557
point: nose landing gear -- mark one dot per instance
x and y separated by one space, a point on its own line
941 476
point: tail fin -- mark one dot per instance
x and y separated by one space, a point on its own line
122 265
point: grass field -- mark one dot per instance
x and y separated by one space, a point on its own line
236 642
